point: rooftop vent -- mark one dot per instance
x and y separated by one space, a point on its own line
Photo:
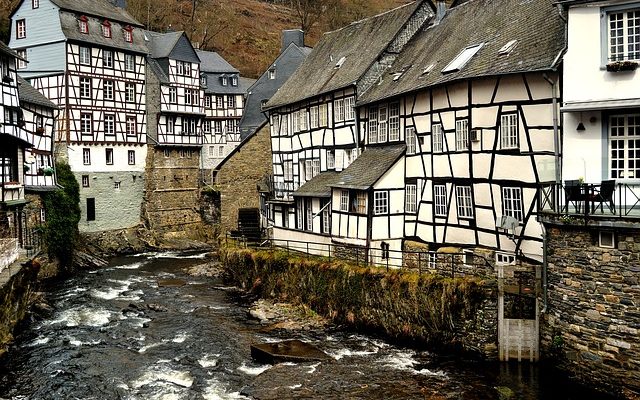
507 48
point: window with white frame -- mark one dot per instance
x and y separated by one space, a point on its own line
313 114
217 126
296 121
437 138
311 168
326 217
206 126
129 92
189 126
462 134
410 198
107 59
116 185
382 124
505 259
394 122
322 115
86 156
85 55
512 202
440 200
86 124
22 58
107 89
131 157
85 181
303 119
83 24
229 126
272 73
463 201
344 200
468 258
299 214
284 124
624 35
212 151
624 146
109 156
373 125
234 81
106 29
129 62
171 125
410 138
288 170
35 3
131 125
380 202
21 29
308 215
358 201
509 131
221 151
350 108
231 101
339 110
219 102
128 34
109 124
207 101
85 88
173 95
224 80
187 96
331 159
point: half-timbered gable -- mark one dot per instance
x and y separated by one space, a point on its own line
39 123
313 116
88 57
476 112
223 104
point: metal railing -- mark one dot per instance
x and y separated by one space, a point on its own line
589 200
442 263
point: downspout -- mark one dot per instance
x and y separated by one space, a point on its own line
545 301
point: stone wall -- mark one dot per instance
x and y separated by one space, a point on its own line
443 313
172 190
593 319
237 178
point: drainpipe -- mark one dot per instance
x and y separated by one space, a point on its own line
556 132
544 270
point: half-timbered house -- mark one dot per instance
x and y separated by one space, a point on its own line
88 57
175 107
223 104
313 118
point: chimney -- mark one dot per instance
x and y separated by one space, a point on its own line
441 9
119 3
295 36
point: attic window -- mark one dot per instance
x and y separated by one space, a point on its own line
234 81
83 24
128 34
340 62
106 29
428 69
507 48
203 80
272 73
462 59
397 75
224 80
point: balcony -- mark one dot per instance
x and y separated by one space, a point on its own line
590 202
279 191
12 192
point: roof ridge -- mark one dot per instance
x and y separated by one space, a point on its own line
374 16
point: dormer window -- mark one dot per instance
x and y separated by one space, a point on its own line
203 80
128 34
106 29
83 24
35 4
462 59
507 48
224 80
234 81
272 73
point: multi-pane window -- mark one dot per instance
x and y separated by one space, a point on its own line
224 80
129 62
230 126
462 134
86 156
299 214
296 121
206 126
322 115
171 125
85 123
220 151
131 157
85 181
440 200
410 197
288 170
128 34
437 138
85 88
624 146
380 202
107 89
313 117
107 59
309 215
129 92
624 35
382 124
234 80
331 159
302 116
349 107
231 101
83 24
509 131
109 124
360 203
85 55
311 168
21 29
173 95
373 125
190 125
512 202
463 200
35 3
219 102
207 101
339 109
217 126
410 138
188 94
344 200
131 125
106 29
272 74
22 58
326 218
195 97
109 156
394 122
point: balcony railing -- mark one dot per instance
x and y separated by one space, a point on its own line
591 201
282 191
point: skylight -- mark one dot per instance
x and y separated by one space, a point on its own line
428 69
506 49
462 59
340 62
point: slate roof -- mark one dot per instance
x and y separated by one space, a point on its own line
162 44
535 24
7 50
69 23
361 43
213 62
157 70
29 94
245 83
369 167
319 186
97 8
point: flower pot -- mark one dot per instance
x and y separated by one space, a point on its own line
619 66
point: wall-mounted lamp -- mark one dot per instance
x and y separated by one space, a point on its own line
580 126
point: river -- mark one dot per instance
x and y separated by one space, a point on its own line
103 341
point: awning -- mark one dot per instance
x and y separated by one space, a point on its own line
571 106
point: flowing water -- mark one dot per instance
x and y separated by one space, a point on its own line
104 342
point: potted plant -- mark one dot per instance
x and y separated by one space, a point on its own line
48 171
40 130
40 171
618 66
27 168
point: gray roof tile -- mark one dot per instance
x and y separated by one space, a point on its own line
162 44
213 62
29 94
535 24
97 8
319 186
70 28
369 167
